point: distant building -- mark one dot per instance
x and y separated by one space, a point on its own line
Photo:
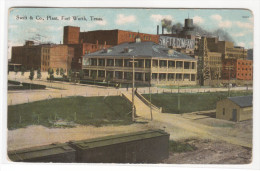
156 64
43 56
250 54
209 63
212 56
237 69
235 108
226 48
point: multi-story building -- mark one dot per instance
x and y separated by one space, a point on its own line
43 56
237 69
91 41
154 64
226 48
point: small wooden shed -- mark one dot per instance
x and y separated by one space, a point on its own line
236 109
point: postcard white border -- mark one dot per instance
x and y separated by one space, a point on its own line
253 5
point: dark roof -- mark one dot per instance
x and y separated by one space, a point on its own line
242 101
119 138
141 49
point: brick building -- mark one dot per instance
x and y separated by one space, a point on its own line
43 56
237 69
92 41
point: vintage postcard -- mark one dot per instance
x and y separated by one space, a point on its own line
130 85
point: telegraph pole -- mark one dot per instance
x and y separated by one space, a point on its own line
151 111
229 67
133 90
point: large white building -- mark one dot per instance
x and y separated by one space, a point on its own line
161 65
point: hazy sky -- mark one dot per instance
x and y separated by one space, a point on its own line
238 23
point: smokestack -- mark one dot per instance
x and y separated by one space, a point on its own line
157 29
162 30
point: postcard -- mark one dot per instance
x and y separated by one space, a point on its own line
130 85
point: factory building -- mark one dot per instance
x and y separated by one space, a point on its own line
213 58
43 56
154 64
182 40
237 69
226 48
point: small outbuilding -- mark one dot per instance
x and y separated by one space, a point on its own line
236 109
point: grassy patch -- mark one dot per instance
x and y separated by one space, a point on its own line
190 102
95 111
179 147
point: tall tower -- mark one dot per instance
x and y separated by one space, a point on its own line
188 28
203 61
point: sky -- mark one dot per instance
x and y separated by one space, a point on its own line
34 23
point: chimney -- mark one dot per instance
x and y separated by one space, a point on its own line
162 30
157 29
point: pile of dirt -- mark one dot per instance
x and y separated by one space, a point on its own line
211 152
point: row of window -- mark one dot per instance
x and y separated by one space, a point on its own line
243 74
245 69
244 63
46 50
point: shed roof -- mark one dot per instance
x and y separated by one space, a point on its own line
242 101
117 139
141 49
40 151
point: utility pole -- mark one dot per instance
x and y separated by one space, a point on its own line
133 90
151 111
229 67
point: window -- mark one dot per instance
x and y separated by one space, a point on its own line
223 112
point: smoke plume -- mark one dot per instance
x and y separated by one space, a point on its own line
222 34
166 23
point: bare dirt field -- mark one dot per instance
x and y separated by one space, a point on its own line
211 152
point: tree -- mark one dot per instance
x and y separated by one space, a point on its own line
22 70
31 76
108 78
39 74
81 74
94 76
62 72
70 73
57 71
16 71
50 72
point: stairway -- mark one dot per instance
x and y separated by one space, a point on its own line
142 110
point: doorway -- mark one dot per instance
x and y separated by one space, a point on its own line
234 115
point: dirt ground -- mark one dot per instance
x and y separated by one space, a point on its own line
217 141
211 152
